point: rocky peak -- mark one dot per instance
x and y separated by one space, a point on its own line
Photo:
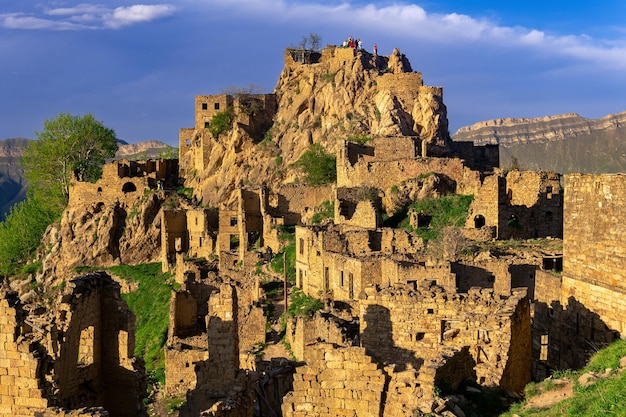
323 98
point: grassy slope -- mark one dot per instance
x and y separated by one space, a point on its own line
606 397
150 303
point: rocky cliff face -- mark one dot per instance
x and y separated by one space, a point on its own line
565 143
99 234
344 93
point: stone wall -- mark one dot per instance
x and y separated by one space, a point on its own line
521 205
89 342
594 255
124 182
335 382
202 229
385 173
174 236
404 327
304 331
341 263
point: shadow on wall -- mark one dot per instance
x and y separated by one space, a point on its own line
377 339
566 337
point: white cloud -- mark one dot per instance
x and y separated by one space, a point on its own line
124 16
86 16
22 21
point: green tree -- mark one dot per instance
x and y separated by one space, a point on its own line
23 228
317 165
68 145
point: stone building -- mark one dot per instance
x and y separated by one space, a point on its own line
388 161
78 356
520 205
340 262
413 340
251 112
235 233
583 308
124 181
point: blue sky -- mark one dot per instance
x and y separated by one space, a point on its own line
137 66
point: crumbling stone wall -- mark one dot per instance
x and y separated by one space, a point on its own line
403 327
358 207
341 263
123 182
202 227
335 381
81 355
584 305
218 375
482 158
385 172
398 272
520 204
594 259
324 326
174 236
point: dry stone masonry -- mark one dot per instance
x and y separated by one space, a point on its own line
402 322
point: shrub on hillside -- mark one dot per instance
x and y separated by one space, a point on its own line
317 165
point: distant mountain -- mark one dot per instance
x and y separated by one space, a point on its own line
566 143
12 181
145 149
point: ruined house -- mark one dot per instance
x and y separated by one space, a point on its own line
76 359
252 112
124 181
519 205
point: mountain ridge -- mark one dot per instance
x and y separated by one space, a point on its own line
565 143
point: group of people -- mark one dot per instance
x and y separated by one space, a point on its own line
356 44
352 43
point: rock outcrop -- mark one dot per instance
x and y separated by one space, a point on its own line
343 93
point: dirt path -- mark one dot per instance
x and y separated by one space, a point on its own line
563 389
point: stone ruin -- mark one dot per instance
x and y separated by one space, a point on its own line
396 324
74 359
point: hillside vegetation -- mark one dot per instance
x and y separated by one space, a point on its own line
599 389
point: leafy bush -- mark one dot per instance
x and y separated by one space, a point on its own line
301 305
221 122
185 192
360 138
327 212
317 165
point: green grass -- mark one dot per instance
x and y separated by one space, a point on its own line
605 397
445 211
327 212
301 305
277 263
150 303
